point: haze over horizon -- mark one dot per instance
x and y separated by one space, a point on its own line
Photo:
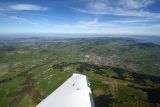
124 17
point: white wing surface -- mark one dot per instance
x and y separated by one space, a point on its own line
74 92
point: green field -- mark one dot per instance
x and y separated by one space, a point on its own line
122 72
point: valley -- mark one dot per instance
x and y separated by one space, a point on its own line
122 71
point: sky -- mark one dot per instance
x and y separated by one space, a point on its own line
136 17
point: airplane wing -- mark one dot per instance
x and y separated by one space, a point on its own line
74 92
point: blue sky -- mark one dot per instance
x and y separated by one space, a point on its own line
80 16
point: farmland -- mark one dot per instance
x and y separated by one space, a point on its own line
122 71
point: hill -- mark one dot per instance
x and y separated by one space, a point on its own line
123 72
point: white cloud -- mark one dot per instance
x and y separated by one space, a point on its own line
112 27
89 23
18 18
24 20
23 7
120 26
133 21
135 4
119 7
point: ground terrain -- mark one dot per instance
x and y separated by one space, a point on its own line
123 72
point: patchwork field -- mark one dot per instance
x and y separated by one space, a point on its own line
123 72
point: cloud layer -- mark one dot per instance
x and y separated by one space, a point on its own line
23 7
90 16
120 8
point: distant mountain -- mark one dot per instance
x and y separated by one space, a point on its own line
145 45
